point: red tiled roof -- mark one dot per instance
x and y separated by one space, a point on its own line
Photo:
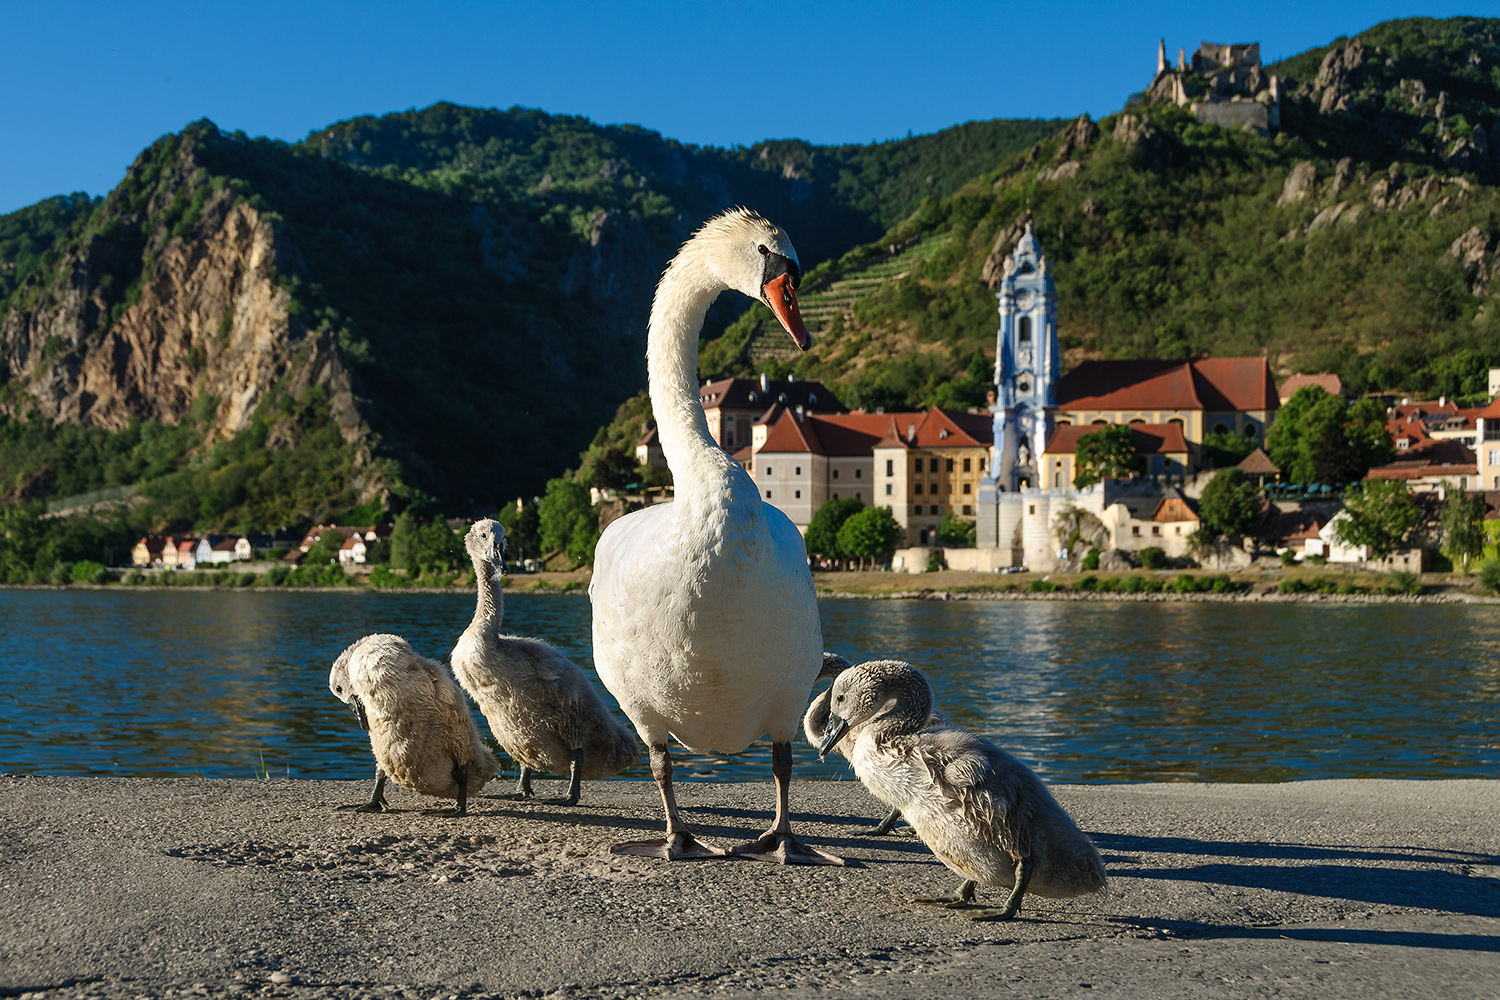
1150 439
1329 383
850 434
1291 525
1258 463
1437 458
792 433
1209 384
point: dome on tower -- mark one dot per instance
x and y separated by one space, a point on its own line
1027 250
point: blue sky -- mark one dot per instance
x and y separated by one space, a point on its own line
87 85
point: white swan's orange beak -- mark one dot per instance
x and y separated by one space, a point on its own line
782 298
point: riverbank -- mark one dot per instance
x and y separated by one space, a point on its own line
140 887
1296 585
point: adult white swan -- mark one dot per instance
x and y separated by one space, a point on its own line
705 621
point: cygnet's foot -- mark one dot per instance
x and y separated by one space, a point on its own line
783 849
365 807
984 915
572 800
882 828
947 902
516 797
678 847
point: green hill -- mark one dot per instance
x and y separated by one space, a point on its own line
1171 238
434 308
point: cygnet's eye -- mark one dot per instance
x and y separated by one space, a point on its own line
763 251
839 698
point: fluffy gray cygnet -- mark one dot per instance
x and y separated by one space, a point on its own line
981 811
540 706
421 732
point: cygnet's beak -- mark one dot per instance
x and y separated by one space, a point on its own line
358 708
837 727
782 298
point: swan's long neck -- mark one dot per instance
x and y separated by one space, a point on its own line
490 609
682 299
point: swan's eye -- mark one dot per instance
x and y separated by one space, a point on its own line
763 251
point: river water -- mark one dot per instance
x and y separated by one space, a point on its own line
234 684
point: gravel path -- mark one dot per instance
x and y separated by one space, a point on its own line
193 887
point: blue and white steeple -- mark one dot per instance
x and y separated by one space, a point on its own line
1027 366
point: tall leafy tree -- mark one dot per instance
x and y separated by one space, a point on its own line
1318 437
567 521
1230 504
870 534
1382 513
1108 453
822 538
1462 521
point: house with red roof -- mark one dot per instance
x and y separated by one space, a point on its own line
1163 450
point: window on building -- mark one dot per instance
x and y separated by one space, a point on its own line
1463 484
917 489
981 465
768 470
922 538
1057 479
1065 423
968 510
729 438
859 473
1135 529
890 467
1494 456
1221 428
1156 531
933 465
858 495
835 496
797 471
768 494
1098 423
966 487
889 489
796 494
1023 386
967 463
949 466
1251 431
917 467
936 510
947 487
1031 508
835 473
1178 530
1023 330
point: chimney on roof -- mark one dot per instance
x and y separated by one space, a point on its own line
911 433
799 411
1442 401
765 382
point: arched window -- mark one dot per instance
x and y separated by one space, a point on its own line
1221 428
1251 431
1098 423
1023 330
1065 423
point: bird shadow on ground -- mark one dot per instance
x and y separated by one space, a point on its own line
1188 929
1287 852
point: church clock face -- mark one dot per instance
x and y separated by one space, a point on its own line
1025 299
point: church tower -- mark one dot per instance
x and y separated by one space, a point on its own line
1027 366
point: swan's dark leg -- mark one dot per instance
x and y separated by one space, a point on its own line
1013 904
960 899
679 843
377 803
575 781
523 786
777 845
461 775
884 827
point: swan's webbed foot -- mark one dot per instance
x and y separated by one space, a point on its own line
680 846
575 781
882 828
461 778
960 900
783 848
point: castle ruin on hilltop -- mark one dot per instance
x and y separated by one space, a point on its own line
1222 85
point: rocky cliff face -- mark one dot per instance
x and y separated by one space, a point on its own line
153 307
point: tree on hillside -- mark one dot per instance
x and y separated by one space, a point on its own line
822 538
417 547
613 469
871 534
1108 453
955 532
1382 512
1462 521
523 539
567 521
1320 438
1230 504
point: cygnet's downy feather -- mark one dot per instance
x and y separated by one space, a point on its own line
981 811
539 704
421 732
